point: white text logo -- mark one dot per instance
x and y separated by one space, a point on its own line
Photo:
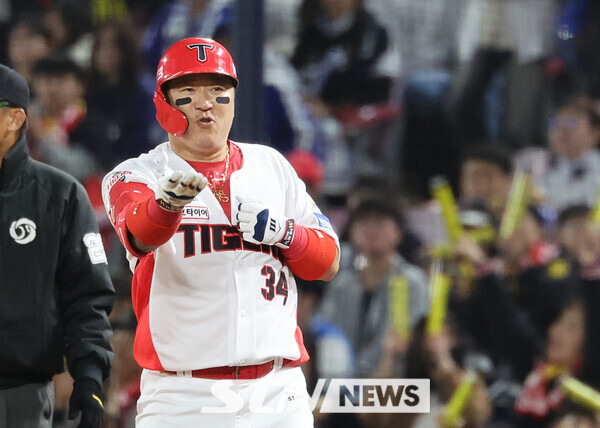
339 396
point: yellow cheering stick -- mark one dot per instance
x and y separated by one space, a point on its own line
440 286
442 192
515 206
455 408
580 393
400 306
596 211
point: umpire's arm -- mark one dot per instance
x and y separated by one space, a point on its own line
85 291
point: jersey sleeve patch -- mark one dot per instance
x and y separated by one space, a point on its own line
323 221
115 178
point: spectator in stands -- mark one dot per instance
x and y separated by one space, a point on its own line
491 321
340 52
514 296
358 301
541 277
64 132
444 358
513 38
485 177
281 24
572 224
346 61
571 167
485 309
69 25
585 242
289 122
179 19
564 353
28 42
426 32
121 92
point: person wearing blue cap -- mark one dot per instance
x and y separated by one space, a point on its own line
54 282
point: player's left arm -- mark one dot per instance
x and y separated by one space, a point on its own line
308 242
311 253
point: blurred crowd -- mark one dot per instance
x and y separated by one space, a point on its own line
378 104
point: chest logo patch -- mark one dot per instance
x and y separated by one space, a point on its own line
23 231
196 212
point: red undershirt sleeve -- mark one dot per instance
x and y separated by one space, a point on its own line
136 211
150 223
311 253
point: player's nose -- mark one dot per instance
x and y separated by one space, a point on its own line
202 101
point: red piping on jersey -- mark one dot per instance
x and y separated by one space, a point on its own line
143 347
304 357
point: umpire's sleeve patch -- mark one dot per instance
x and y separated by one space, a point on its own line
93 242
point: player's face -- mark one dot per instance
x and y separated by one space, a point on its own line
208 102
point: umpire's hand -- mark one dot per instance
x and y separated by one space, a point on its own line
86 399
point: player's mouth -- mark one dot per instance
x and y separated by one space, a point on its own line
205 122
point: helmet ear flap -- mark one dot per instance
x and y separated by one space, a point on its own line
170 119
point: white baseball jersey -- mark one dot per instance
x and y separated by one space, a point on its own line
206 298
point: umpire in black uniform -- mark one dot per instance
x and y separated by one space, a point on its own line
55 290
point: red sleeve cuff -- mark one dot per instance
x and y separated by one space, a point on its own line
317 257
149 226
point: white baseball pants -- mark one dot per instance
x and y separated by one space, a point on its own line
279 399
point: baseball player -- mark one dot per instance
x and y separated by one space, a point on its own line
215 231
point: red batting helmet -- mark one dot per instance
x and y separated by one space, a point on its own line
188 56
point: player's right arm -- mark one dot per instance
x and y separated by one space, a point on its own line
145 219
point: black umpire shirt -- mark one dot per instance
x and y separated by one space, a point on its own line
55 290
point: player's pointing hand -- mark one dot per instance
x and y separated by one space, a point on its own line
176 189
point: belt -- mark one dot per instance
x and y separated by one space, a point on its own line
233 372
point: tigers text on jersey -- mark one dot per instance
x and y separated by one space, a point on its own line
206 298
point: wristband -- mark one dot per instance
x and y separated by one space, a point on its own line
288 236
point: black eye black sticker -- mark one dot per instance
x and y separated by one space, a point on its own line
223 100
183 101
